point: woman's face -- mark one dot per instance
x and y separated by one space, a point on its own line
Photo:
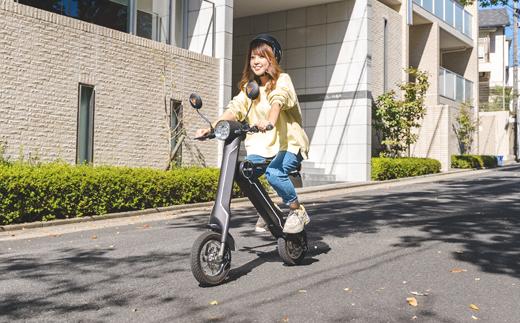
259 64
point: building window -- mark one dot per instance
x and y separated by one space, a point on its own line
483 49
107 13
85 134
145 18
153 20
177 131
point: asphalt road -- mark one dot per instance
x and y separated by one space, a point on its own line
455 244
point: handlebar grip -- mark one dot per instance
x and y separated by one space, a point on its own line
253 129
269 127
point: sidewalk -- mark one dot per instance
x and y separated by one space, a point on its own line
150 215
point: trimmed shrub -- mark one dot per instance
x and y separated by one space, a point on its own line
58 190
391 168
473 161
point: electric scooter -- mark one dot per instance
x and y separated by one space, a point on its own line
211 251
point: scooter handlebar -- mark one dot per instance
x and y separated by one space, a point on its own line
255 128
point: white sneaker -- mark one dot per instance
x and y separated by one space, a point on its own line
296 220
260 225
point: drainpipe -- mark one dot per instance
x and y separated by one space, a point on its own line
515 78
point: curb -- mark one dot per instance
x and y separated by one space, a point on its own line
341 187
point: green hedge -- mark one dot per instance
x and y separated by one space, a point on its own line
473 161
391 168
51 191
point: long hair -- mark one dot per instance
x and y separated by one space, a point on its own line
273 71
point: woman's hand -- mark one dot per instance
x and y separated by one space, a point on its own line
264 125
202 132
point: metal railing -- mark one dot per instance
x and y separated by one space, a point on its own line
450 12
454 86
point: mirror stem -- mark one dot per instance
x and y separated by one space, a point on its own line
203 117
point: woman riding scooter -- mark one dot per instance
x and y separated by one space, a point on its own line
284 147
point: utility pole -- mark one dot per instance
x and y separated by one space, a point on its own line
515 80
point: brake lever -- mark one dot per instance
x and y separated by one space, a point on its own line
204 137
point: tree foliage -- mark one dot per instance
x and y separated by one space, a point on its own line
465 128
395 118
485 3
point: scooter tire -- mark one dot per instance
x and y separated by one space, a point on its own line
292 249
209 242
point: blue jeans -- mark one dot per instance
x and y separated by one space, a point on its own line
277 173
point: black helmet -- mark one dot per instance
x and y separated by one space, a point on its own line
271 41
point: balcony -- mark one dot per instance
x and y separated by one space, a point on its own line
455 87
451 12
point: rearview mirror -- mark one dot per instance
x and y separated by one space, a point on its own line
195 101
252 90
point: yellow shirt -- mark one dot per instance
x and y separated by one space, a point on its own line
288 133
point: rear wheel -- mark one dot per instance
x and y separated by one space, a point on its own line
206 266
293 248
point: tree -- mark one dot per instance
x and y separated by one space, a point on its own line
465 128
395 119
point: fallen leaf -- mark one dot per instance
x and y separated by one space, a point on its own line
94 237
111 246
474 307
414 317
146 226
459 251
134 310
458 270
419 294
302 291
404 281
474 317
477 279
213 303
412 301
285 319
346 289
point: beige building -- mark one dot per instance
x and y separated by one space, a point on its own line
340 54
81 92
493 52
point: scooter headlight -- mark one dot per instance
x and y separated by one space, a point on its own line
222 130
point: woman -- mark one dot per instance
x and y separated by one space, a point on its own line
286 145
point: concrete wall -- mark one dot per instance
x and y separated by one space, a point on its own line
437 139
326 53
496 134
43 58
425 55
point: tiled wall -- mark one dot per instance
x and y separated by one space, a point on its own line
326 55
394 49
43 58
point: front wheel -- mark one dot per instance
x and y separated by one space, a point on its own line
293 248
206 266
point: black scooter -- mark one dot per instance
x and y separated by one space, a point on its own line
211 252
